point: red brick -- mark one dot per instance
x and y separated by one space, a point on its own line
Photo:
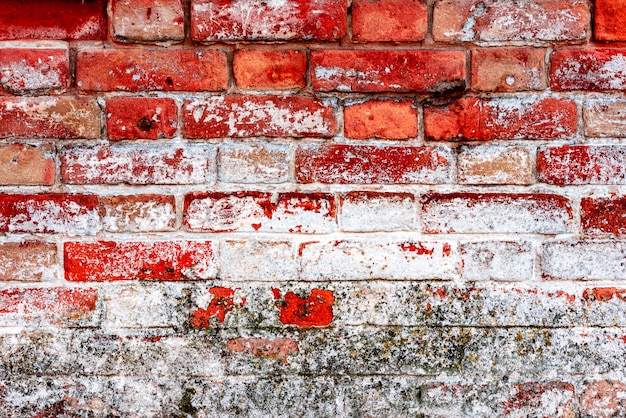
222 303
245 116
385 119
136 164
314 311
28 261
24 164
500 69
151 70
582 164
270 69
224 20
49 117
496 213
140 213
603 215
263 347
370 164
64 213
141 118
147 20
34 66
154 260
389 20
255 211
51 301
53 19
525 398
493 20
423 71
472 118
610 20
588 69
603 399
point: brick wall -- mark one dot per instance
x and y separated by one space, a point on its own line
310 208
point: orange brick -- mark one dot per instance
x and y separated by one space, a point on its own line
380 20
385 119
269 69
508 69
22 164
610 20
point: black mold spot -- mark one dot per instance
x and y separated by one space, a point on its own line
186 405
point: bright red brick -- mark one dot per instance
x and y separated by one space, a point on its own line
225 20
27 261
25 164
222 303
147 20
588 69
136 164
141 118
424 71
385 119
49 117
270 69
495 213
139 213
476 119
28 66
63 213
314 311
582 164
610 20
255 211
494 20
53 19
389 20
245 116
151 70
506 69
49 302
603 215
153 260
370 164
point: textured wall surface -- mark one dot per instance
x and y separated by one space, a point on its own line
312 208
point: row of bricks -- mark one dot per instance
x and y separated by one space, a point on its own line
27 67
150 21
283 163
314 213
347 260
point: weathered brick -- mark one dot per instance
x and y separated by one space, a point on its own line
49 117
151 70
59 19
497 260
263 347
385 119
147 20
588 69
253 162
372 164
270 69
362 260
305 213
141 213
34 66
248 260
582 164
603 215
605 118
583 260
609 21
316 310
141 118
53 303
153 260
222 303
506 69
493 20
379 20
27 261
245 116
477 119
494 165
136 164
61 213
26 164
603 398
423 71
377 211
217 20
496 213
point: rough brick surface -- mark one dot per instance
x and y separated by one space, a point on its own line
494 165
379 20
508 69
132 118
605 118
141 213
27 261
148 20
609 20
581 164
587 69
381 119
28 66
25 164
267 69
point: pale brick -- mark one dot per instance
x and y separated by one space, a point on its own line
27 164
141 213
497 260
253 162
499 69
27 261
148 20
248 260
605 118
583 260
375 211
494 165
